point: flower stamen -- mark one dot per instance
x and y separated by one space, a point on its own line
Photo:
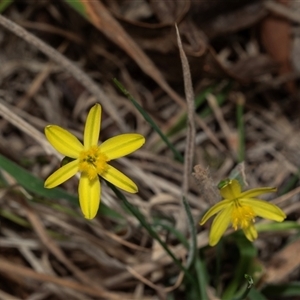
242 216
92 162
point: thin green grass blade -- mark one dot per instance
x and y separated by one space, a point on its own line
181 123
199 100
171 229
4 5
147 117
135 212
78 6
25 224
33 184
14 218
217 280
247 290
291 289
220 97
36 186
201 277
287 225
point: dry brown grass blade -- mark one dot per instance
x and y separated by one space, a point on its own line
191 131
104 21
24 126
276 33
107 24
283 263
163 260
35 85
283 10
6 296
53 248
28 273
52 29
230 136
69 66
144 280
286 196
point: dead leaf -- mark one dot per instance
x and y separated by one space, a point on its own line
283 263
275 32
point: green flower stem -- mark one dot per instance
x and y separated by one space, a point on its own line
170 228
248 288
201 276
147 117
148 227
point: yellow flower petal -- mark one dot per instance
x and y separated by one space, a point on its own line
62 174
214 210
63 141
250 233
256 192
120 180
219 225
265 209
89 196
122 145
92 127
231 190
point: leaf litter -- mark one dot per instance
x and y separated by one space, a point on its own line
47 250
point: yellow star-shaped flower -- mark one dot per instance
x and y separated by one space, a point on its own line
91 160
240 209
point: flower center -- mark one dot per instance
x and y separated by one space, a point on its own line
242 216
92 162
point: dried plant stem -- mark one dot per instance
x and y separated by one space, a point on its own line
7 114
68 65
189 149
283 11
149 228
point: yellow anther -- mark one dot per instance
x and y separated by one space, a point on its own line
92 162
242 216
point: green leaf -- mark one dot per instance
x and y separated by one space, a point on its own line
286 225
201 277
33 184
247 253
4 4
78 6
247 289
254 294
291 289
36 186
